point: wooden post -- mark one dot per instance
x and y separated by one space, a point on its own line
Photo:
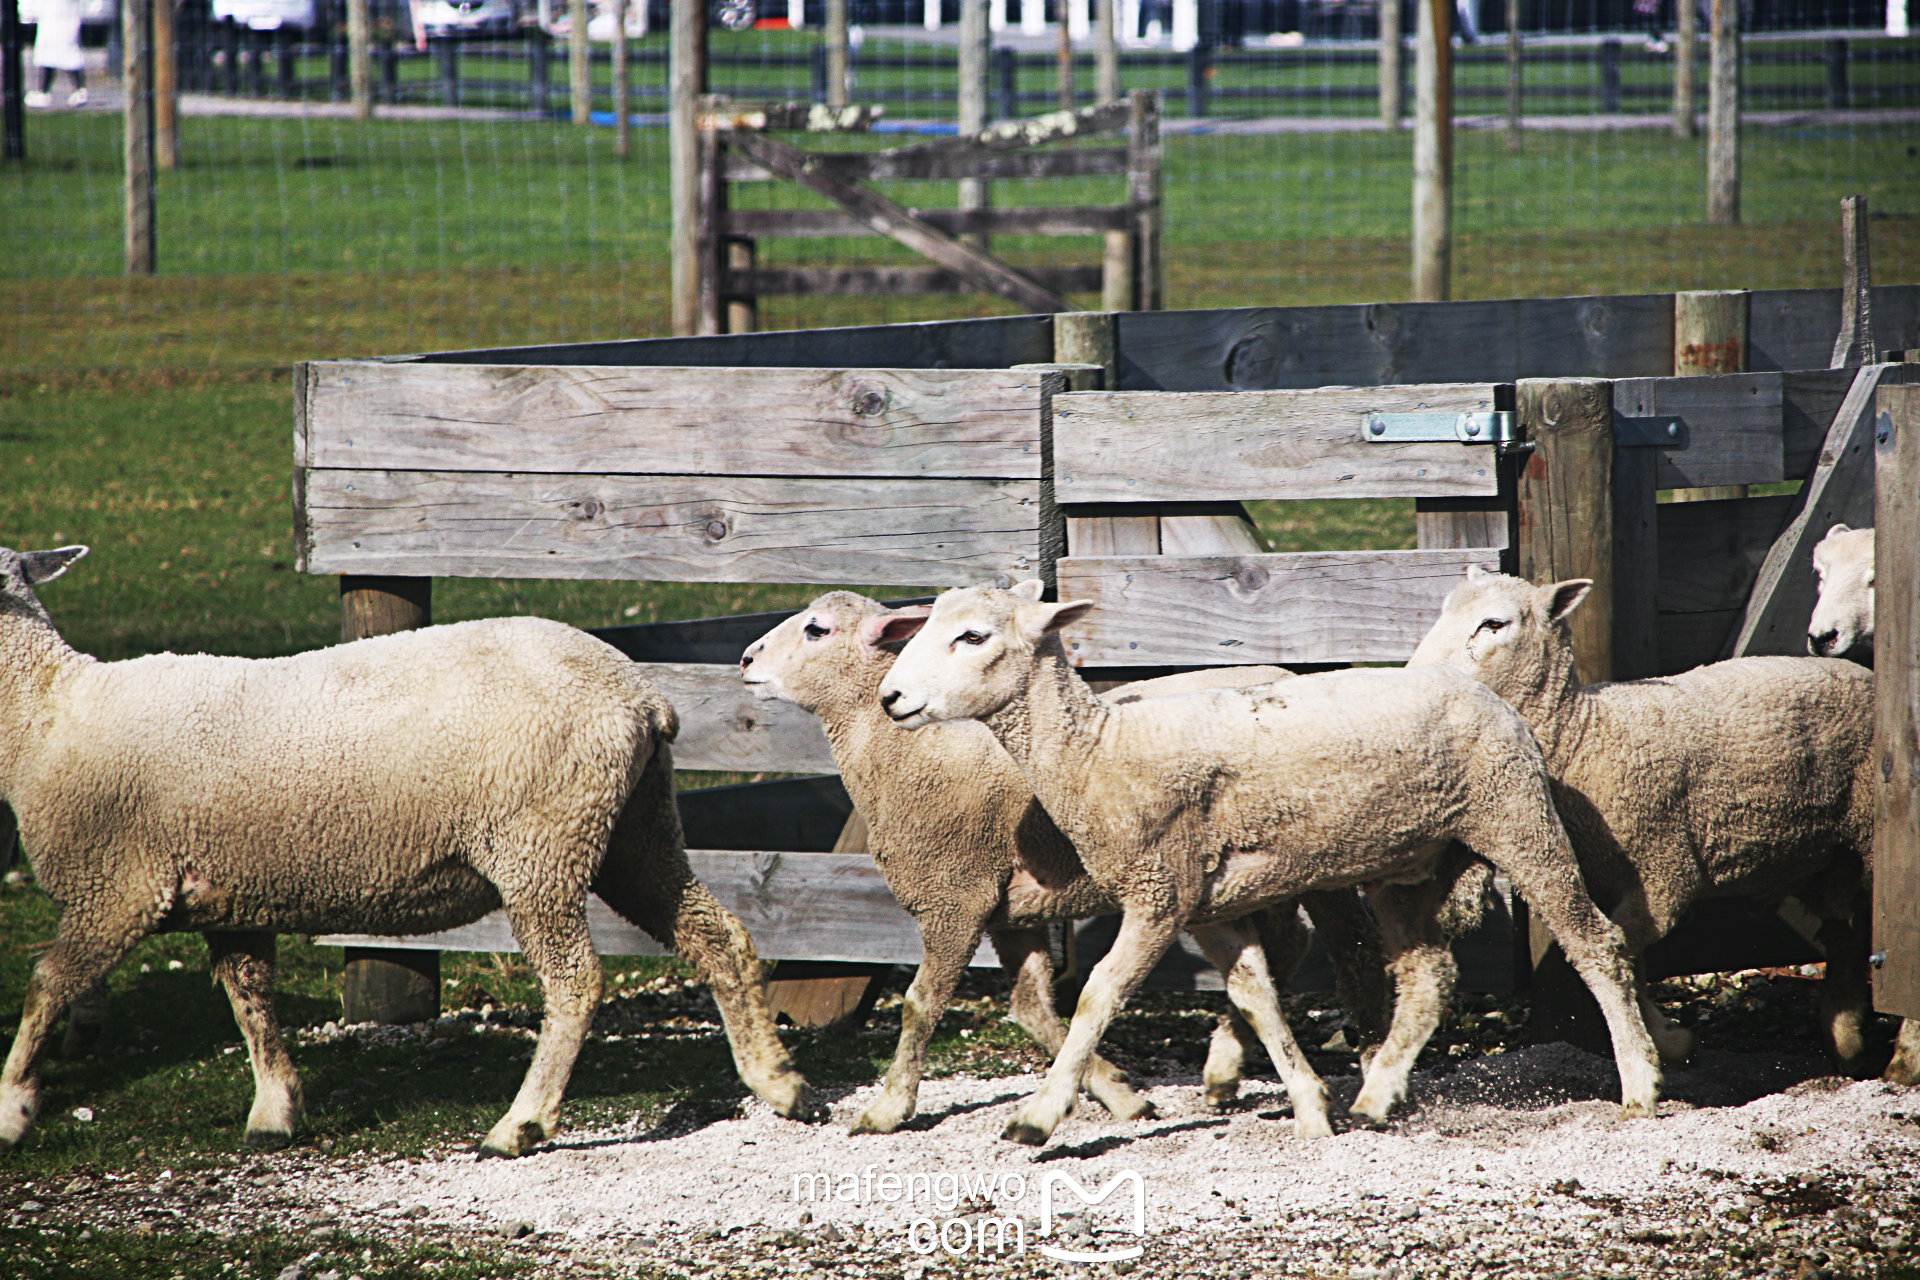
166 89
710 218
360 57
1723 117
136 26
1063 63
686 81
1106 53
1896 571
1854 345
388 984
13 87
1513 74
1143 198
743 308
1710 336
1392 50
579 63
622 126
836 53
1433 154
1686 54
975 40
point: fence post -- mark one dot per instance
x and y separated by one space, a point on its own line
1896 832
817 72
1514 106
136 36
539 70
1143 198
971 99
1854 345
1686 55
1106 53
1063 63
1006 76
258 42
447 54
1723 117
1839 92
1433 153
1609 76
13 84
743 307
1710 336
686 82
711 235
1392 51
286 60
836 53
579 64
1199 63
622 126
387 984
339 64
390 71
360 58
166 88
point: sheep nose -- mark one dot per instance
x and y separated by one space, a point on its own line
1819 646
888 698
746 659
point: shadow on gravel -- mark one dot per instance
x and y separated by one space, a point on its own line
928 1119
1115 1141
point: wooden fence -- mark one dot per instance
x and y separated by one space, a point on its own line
1108 453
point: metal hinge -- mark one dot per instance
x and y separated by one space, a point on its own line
1493 426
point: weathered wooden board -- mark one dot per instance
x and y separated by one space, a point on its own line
880 166
1809 399
807 281
1896 742
668 528
1795 328
1710 552
993 342
1258 348
772 422
722 725
1039 221
1317 606
797 906
1733 425
1148 447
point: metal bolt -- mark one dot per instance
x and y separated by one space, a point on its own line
1473 426
1673 430
1376 426
1883 428
1878 959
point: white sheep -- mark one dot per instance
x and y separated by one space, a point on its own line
1842 620
965 848
1746 779
402 784
1194 810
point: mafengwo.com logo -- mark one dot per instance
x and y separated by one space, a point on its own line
995 1222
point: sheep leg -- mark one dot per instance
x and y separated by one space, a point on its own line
1146 930
1639 925
1351 936
1286 941
1424 973
1904 1070
86 1018
80 955
243 963
1023 954
1846 995
647 880
946 945
1234 948
553 935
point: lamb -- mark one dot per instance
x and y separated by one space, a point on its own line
965 848
402 784
1842 619
1192 811
1749 778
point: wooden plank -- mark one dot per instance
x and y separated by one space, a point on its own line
794 422
702 640
1809 399
985 272
1016 135
1040 221
723 726
670 528
1442 524
1146 447
769 281
1318 606
1896 571
1710 552
1796 328
878 166
1566 514
1854 345
1733 423
1839 490
1261 348
1689 640
724 115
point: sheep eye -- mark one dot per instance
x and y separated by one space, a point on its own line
815 631
1494 624
971 637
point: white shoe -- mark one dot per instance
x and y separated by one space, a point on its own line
39 98
78 98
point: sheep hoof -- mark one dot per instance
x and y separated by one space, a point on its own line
1218 1097
1312 1127
515 1142
1638 1110
1026 1133
882 1117
1139 1109
269 1139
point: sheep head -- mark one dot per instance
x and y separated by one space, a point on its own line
1843 615
972 654
22 571
1507 633
831 648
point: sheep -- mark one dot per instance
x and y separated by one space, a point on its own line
965 848
401 784
1192 811
1749 778
1842 619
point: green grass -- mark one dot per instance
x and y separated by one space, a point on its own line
81 1253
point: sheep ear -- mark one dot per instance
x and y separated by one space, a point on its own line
1562 598
1052 617
893 628
890 628
1475 574
1839 529
45 566
1031 590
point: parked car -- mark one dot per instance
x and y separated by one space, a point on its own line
469 17
267 15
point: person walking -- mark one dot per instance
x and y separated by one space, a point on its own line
56 47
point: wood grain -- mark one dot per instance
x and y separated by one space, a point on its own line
1320 606
1734 427
1710 552
1896 840
1137 447
1565 522
722 725
1796 328
670 528
688 421
1069 221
